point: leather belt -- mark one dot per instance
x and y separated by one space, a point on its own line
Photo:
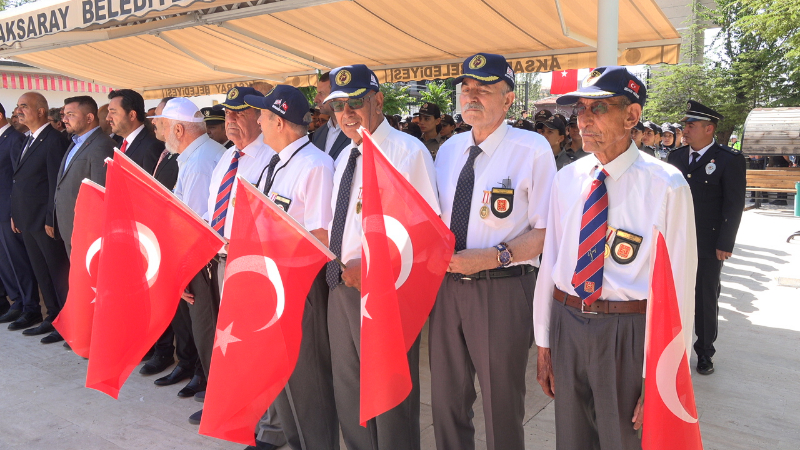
505 272
601 306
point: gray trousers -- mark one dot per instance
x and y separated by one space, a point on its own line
482 327
396 429
597 364
203 313
306 407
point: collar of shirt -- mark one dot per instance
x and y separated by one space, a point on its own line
289 150
332 126
133 134
36 133
702 151
79 140
4 128
256 147
490 144
621 163
380 134
194 145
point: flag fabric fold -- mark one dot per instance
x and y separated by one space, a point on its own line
405 254
152 247
670 413
272 263
74 322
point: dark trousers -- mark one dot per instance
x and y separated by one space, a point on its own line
185 349
204 312
396 429
482 327
16 272
706 306
597 364
306 407
50 265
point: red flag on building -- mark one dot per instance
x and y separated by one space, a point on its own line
670 414
564 81
151 248
258 336
74 322
399 228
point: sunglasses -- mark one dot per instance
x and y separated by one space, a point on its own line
354 103
598 108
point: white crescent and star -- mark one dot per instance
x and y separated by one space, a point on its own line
90 254
666 378
224 338
268 269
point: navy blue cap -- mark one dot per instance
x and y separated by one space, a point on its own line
285 101
235 98
653 126
606 82
556 123
667 127
488 69
542 115
696 111
353 81
213 116
639 126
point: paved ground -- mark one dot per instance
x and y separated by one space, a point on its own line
751 402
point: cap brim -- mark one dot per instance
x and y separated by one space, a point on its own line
358 93
255 101
193 119
689 118
483 77
587 92
234 107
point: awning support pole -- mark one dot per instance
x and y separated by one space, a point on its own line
607 32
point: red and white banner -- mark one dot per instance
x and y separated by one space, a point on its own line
272 263
670 414
46 82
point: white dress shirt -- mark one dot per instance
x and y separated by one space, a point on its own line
701 152
35 135
408 156
132 136
196 163
333 133
256 156
524 158
645 196
306 180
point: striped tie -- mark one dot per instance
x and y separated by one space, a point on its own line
224 194
588 277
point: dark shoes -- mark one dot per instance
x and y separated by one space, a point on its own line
261 446
177 375
25 320
10 315
43 328
55 336
197 384
704 365
157 364
200 396
194 419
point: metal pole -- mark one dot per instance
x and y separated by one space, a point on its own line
527 85
607 32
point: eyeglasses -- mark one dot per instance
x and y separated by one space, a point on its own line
354 103
598 108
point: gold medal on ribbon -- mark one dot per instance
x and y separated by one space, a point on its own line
484 211
358 208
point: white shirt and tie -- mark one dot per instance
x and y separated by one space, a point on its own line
693 159
196 163
31 138
127 141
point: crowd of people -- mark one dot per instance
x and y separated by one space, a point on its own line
553 220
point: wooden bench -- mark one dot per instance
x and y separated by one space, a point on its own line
779 180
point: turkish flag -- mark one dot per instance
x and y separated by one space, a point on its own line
258 336
151 249
399 228
670 414
74 322
564 81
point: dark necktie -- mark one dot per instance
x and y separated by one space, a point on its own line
164 154
270 171
695 158
588 277
333 270
459 217
25 148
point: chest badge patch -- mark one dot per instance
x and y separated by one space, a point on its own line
502 201
711 167
625 247
281 201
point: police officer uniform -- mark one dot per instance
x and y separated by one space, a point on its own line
717 177
652 150
481 323
216 116
593 321
299 179
398 428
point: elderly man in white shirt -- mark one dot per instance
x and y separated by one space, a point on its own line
591 297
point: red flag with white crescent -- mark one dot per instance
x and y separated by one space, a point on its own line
399 228
670 414
74 322
564 81
272 263
152 247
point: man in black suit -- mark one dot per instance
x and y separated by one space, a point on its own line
329 137
15 268
85 158
126 116
717 176
33 211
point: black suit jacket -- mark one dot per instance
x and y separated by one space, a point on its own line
167 171
319 139
35 178
11 141
718 196
145 150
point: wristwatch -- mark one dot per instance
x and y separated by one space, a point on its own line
504 256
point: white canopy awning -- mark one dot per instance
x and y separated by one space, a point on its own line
196 47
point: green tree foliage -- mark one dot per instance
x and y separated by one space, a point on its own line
440 94
395 98
310 92
777 20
